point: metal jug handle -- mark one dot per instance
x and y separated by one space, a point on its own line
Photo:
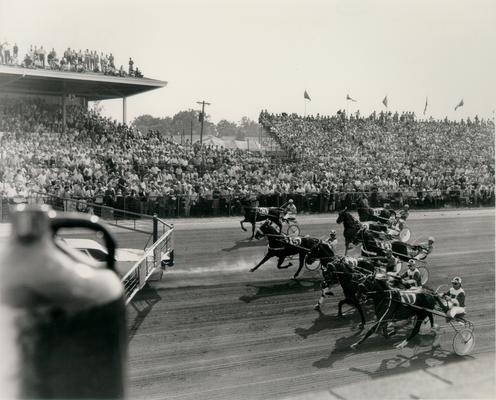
77 221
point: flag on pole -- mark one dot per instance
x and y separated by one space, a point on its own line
425 107
306 96
459 104
348 97
385 101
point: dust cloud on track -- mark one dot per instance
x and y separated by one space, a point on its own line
213 330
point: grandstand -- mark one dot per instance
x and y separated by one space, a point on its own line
56 86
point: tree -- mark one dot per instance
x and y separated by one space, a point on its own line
226 128
248 128
145 123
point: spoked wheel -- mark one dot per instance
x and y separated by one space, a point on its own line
442 289
424 275
312 266
464 342
404 235
293 230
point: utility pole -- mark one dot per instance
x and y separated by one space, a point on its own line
202 118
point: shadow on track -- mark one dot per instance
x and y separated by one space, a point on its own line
244 243
288 287
329 322
399 364
419 360
142 305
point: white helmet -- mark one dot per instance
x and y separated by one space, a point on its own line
332 233
457 279
290 201
431 239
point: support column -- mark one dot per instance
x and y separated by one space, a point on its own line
124 110
64 111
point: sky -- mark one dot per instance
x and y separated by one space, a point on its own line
243 56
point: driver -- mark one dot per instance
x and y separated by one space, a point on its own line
389 261
290 211
455 297
411 277
332 241
403 213
424 248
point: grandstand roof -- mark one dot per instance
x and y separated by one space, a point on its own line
92 86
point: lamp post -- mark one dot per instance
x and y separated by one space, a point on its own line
202 117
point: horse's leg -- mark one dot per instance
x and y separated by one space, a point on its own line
241 223
413 333
281 260
320 302
369 332
253 224
357 305
431 320
302 260
264 260
340 305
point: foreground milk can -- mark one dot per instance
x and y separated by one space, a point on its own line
62 320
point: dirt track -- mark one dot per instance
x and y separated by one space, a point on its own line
212 330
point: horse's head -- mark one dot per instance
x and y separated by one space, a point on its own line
373 284
319 251
341 216
329 273
266 229
366 286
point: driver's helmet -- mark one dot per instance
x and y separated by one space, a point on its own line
412 263
406 207
386 205
431 239
290 201
332 233
389 252
457 279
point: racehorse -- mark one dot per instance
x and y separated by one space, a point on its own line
395 305
256 214
375 214
355 232
351 227
282 246
348 273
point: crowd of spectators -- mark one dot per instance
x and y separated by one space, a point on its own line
70 60
389 151
102 162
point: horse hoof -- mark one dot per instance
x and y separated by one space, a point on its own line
252 270
354 346
294 277
316 307
361 326
340 315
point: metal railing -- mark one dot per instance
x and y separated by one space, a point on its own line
152 265
136 213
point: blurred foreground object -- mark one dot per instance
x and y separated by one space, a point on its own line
62 320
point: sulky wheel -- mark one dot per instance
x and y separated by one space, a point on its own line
424 275
313 266
464 342
404 235
293 230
